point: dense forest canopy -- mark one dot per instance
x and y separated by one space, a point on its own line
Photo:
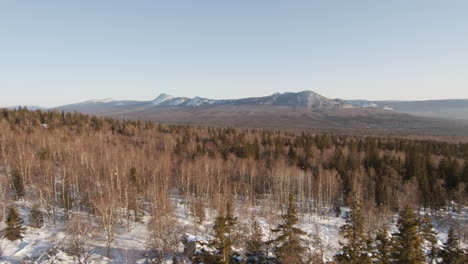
82 151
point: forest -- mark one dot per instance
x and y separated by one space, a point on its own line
97 173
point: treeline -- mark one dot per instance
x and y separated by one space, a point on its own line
119 169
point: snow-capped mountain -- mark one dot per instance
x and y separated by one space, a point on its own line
306 99
302 110
447 109
161 99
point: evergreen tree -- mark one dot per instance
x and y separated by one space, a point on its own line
278 149
36 218
465 177
381 187
339 162
292 156
451 252
289 248
354 160
453 175
383 247
372 156
414 165
254 245
17 183
356 248
429 237
408 242
14 229
223 237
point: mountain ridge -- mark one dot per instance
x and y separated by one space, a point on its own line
444 108
440 108
307 99
304 110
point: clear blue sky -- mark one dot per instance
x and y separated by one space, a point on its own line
58 52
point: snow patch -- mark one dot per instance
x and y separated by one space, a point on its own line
177 102
370 105
161 98
197 101
106 100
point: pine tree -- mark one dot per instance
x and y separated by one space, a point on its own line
15 229
451 252
372 156
429 237
465 177
381 187
339 162
356 248
292 155
383 247
354 160
223 237
408 242
289 249
36 218
453 175
17 183
254 245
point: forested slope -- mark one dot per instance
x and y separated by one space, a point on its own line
113 170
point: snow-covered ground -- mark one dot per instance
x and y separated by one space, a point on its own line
46 245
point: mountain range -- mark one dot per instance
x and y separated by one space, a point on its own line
306 99
303 110
453 109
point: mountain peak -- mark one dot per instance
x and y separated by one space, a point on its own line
307 99
161 98
308 92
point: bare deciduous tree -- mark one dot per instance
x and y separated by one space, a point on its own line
80 232
106 208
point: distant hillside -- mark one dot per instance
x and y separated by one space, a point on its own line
29 107
307 99
454 109
303 110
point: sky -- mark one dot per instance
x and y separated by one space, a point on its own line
60 52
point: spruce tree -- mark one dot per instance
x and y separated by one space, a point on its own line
254 246
383 247
14 229
36 218
465 177
292 155
354 160
17 183
289 249
356 248
372 156
223 237
408 242
339 162
451 252
429 237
